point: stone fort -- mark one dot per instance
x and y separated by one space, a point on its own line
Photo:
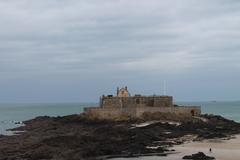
134 106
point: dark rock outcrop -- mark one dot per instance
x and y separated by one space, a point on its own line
76 137
198 156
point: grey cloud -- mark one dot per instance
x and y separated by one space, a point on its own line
118 38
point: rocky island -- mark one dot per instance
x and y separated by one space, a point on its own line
123 126
76 137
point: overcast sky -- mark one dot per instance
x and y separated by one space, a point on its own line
77 50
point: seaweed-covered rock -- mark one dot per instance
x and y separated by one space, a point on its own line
77 137
198 156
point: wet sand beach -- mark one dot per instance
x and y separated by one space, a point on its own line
221 150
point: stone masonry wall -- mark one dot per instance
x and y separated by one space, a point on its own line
190 111
137 101
111 102
115 107
111 113
114 113
163 101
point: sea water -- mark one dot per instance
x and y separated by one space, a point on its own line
229 110
10 114
13 113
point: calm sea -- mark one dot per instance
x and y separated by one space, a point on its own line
230 110
12 113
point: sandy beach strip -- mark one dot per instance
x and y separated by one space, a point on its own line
221 150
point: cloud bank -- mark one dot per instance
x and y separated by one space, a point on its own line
67 42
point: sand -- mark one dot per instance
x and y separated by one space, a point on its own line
221 150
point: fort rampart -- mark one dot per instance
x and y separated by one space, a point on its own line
148 101
135 106
112 113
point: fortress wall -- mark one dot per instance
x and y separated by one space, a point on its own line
123 104
137 101
128 102
118 102
177 110
111 113
116 113
163 101
110 102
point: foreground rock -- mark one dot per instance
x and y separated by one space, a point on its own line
77 137
198 156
